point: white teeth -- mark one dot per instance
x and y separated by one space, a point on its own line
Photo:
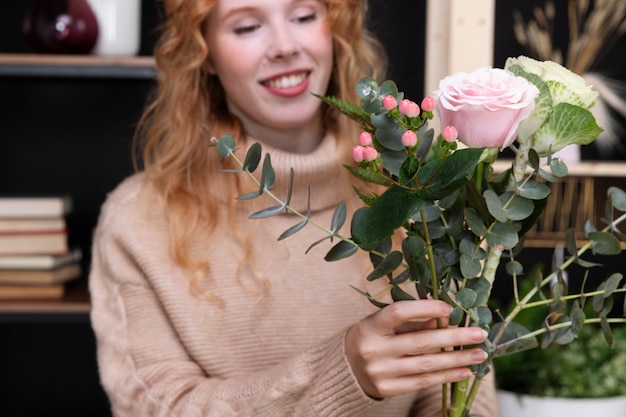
287 81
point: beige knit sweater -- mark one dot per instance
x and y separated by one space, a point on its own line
165 352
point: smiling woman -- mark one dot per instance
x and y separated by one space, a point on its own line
288 56
194 313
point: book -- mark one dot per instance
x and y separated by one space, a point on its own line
39 261
58 275
44 224
34 243
31 292
34 207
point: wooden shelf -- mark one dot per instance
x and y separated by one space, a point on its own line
75 301
76 66
596 169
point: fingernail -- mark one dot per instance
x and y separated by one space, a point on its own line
447 309
479 334
479 355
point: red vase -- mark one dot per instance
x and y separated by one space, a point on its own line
61 27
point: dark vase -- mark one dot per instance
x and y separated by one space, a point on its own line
61 27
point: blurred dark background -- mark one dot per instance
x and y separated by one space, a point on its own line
72 136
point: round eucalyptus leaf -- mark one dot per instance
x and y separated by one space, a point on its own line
494 205
605 243
466 297
518 207
534 190
470 267
618 198
475 222
503 234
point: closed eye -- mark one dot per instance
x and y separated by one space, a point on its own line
242 30
306 18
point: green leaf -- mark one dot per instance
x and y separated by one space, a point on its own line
514 268
533 190
339 217
296 228
606 331
268 212
618 198
387 266
408 170
494 205
482 287
456 316
389 88
390 138
390 211
367 175
558 167
341 250
604 243
578 317
466 297
225 146
267 176
504 234
398 294
470 267
567 124
475 222
439 180
370 298
393 160
512 340
253 157
518 208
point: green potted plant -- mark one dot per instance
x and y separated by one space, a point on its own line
585 376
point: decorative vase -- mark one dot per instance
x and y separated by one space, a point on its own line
61 26
520 405
120 26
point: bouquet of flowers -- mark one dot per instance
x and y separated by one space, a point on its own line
443 220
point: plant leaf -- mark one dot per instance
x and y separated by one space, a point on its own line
225 146
341 250
253 157
390 211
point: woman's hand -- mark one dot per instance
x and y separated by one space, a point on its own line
399 348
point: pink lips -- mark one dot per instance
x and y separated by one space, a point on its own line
288 85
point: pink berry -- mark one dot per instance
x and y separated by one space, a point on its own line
409 108
390 102
365 139
428 104
409 138
450 134
357 153
369 153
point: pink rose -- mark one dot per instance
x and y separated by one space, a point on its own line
485 106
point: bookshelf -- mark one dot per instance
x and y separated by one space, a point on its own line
76 66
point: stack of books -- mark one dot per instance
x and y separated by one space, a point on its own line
35 258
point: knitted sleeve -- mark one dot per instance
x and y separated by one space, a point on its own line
147 371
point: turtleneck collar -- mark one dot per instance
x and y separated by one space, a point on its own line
321 171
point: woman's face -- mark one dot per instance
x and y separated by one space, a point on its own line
270 55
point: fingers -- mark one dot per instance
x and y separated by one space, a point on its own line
391 317
435 340
400 349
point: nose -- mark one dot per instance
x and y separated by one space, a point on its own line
284 43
